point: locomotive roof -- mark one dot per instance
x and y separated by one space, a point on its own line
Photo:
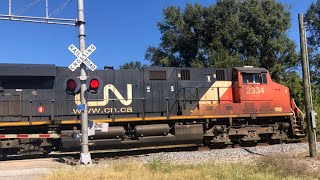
251 69
27 70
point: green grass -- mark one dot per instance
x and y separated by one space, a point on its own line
265 168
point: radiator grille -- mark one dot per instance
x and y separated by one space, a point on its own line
185 74
220 75
158 75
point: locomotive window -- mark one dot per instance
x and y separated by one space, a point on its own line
251 78
257 78
247 78
264 78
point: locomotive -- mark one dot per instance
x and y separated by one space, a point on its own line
137 108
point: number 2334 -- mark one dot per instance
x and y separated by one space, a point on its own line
255 90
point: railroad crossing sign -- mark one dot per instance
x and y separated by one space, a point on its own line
82 57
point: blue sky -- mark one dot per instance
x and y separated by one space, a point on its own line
121 30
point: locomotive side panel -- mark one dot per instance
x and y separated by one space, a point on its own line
208 93
159 91
119 95
26 92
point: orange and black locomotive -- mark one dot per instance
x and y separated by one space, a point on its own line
136 108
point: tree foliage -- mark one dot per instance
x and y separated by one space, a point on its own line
135 65
228 33
312 19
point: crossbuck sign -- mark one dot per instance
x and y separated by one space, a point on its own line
82 57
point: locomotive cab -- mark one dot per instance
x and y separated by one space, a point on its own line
255 90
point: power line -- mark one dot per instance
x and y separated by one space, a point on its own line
18 12
46 20
55 12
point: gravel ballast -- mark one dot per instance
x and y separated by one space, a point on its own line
232 155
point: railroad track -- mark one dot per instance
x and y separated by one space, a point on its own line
72 158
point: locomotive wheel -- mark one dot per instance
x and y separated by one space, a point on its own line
218 146
275 141
33 149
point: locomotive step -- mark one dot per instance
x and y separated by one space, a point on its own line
298 130
300 135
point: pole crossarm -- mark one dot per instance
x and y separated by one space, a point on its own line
44 20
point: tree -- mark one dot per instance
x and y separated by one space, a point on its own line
181 38
226 34
294 82
135 65
312 19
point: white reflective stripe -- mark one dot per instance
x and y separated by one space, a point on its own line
55 136
11 136
33 135
22 136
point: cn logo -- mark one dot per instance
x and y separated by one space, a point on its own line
105 101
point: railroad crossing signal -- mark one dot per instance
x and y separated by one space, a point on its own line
82 57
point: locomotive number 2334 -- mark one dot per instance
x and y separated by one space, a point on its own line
255 90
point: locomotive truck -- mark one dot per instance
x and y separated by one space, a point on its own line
136 108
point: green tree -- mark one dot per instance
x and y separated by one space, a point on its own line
294 82
135 65
312 19
181 38
228 33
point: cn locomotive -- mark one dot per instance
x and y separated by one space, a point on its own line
136 108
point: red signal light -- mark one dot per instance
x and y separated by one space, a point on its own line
71 84
40 109
94 83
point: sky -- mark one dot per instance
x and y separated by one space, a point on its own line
121 30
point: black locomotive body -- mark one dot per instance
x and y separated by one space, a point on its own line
130 108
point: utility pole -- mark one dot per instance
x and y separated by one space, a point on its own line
85 157
307 89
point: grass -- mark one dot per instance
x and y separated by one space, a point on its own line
265 168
